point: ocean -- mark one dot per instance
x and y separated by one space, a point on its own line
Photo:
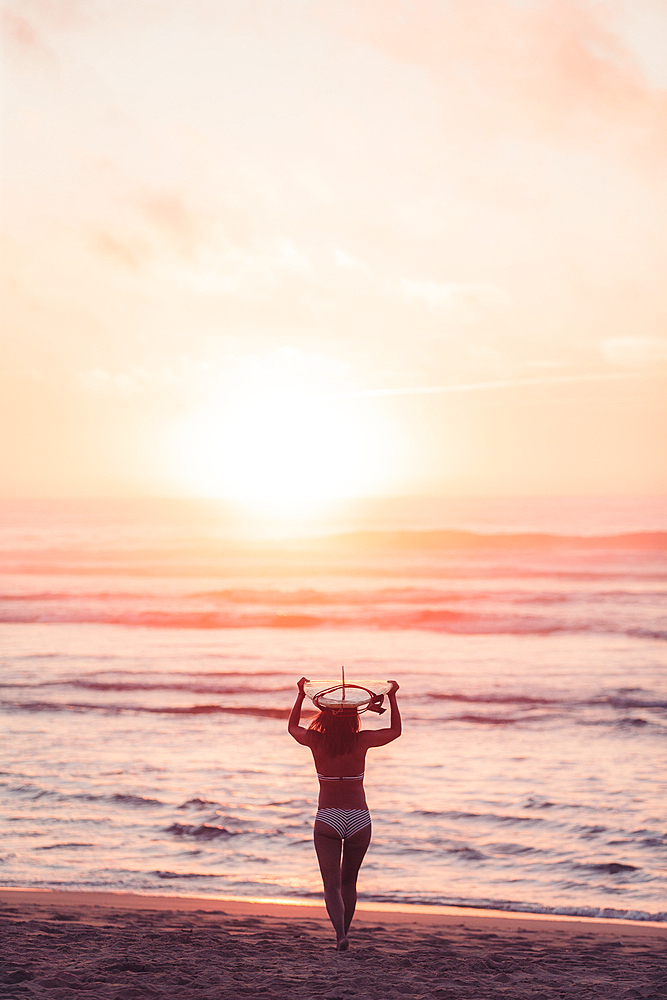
149 653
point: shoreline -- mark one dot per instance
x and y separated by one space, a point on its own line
296 908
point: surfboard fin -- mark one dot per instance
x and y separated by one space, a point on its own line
376 704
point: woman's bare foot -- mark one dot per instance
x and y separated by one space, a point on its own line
343 944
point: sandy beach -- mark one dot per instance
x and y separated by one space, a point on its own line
67 945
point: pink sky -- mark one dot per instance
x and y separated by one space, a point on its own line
207 205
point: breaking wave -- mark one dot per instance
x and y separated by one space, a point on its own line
272 701
54 706
367 616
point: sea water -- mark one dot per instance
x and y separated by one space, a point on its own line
149 652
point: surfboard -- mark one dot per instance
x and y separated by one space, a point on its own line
355 696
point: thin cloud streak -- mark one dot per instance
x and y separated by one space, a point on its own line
508 383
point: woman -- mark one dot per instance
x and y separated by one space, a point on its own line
342 820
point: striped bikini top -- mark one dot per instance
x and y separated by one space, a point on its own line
340 777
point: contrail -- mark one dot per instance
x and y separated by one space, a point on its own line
507 383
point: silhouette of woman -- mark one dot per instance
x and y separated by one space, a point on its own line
342 820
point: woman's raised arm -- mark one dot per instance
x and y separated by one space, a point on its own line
380 737
298 732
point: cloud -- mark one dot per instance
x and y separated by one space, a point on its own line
463 301
491 384
643 26
18 30
67 16
167 214
557 68
288 369
289 257
124 252
635 350
239 184
345 261
165 229
30 27
134 379
24 41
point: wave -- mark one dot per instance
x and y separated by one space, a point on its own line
160 619
118 798
457 814
120 686
448 553
198 804
486 720
647 633
655 541
205 831
426 619
359 541
520 708
600 868
54 847
515 906
491 699
250 710
50 706
186 875
610 700
619 701
376 596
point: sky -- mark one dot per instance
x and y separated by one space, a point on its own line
297 248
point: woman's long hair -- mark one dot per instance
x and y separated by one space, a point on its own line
339 732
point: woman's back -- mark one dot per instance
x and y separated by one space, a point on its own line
339 766
340 776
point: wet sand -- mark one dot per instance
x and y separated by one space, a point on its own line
85 945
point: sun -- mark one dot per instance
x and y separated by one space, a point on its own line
281 449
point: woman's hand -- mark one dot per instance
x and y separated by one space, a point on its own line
300 734
394 687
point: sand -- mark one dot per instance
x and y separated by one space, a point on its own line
79 945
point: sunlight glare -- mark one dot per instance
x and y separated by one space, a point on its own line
279 450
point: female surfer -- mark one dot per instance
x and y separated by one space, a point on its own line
342 820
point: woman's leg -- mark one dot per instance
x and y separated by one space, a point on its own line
328 847
354 850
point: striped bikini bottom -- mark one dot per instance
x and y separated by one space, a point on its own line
345 822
